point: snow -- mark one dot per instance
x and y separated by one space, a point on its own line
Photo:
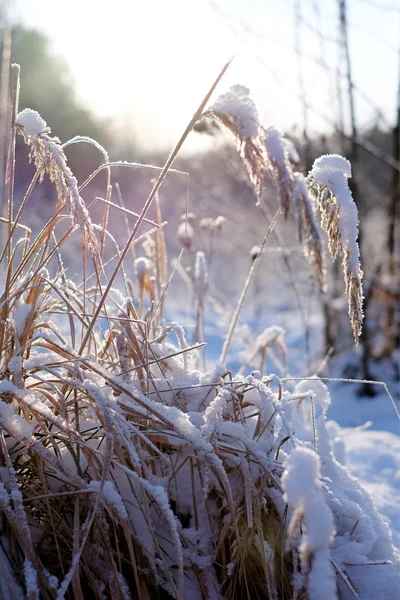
238 105
270 335
22 311
32 589
200 272
214 412
332 171
112 496
374 457
317 390
275 146
303 491
142 267
32 122
299 489
185 234
326 165
13 423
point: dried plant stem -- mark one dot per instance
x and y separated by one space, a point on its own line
4 102
11 153
149 201
294 281
249 279
344 380
34 181
126 165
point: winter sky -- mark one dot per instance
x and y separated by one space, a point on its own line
148 63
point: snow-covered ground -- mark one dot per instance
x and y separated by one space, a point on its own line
370 430
374 457
368 426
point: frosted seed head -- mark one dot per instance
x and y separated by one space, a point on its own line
32 122
185 234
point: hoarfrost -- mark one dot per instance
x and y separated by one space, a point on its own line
214 413
31 582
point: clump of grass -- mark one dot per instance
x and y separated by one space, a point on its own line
125 471
266 158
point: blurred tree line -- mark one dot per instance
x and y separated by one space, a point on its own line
48 87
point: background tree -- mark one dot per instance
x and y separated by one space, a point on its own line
48 87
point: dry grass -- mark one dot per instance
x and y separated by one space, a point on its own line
107 488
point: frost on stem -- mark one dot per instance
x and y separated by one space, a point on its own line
31 582
304 493
265 155
237 112
48 156
306 221
265 152
339 218
214 413
280 167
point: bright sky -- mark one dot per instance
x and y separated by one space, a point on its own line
150 62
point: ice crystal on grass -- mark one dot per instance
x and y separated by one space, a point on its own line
282 174
306 220
32 588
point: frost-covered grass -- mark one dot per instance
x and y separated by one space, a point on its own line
127 469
